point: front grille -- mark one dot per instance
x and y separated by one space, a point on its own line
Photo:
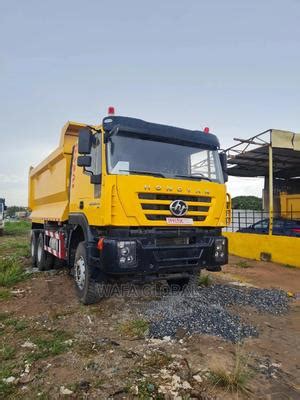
156 205
185 197
166 207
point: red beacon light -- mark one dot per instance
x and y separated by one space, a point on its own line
206 129
111 110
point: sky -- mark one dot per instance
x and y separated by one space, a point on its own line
231 65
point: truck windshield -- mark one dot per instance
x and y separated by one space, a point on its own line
132 155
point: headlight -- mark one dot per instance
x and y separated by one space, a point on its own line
220 250
127 253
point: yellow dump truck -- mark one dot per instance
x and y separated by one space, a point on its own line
129 201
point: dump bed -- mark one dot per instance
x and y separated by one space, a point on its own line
290 205
49 181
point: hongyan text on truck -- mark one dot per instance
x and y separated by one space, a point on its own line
130 201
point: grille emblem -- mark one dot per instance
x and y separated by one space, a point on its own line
178 208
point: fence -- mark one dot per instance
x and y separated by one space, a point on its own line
254 221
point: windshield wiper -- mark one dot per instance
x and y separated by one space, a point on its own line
200 178
144 173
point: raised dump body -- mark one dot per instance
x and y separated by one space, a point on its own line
50 180
129 200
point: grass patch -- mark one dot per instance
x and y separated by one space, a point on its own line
17 247
11 271
6 389
4 316
50 346
7 352
289 266
157 360
135 328
235 380
148 390
17 228
17 324
5 294
243 264
205 280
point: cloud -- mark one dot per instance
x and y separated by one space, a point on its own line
245 186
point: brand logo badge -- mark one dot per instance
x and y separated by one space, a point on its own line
178 208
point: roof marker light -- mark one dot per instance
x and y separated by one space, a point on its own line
111 110
206 129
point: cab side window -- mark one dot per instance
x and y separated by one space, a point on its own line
95 167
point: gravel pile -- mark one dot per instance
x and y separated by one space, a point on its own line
204 311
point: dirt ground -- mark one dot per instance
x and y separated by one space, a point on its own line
56 348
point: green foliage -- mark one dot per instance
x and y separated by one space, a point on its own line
18 247
5 294
6 352
204 280
11 271
235 380
6 389
17 228
148 390
50 346
134 328
243 264
247 203
13 209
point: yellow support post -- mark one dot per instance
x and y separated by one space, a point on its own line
271 205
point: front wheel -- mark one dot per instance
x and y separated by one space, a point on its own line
87 289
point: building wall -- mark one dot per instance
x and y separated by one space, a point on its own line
282 249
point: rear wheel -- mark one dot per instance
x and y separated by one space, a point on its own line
33 246
44 260
87 289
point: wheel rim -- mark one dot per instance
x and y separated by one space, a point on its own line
39 251
80 272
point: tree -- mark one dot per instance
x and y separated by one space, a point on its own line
10 212
247 203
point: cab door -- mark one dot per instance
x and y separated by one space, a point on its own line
86 183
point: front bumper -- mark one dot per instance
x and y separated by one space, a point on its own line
160 253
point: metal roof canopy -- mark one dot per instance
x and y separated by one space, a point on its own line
250 157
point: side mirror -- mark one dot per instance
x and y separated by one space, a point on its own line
85 141
84 161
223 161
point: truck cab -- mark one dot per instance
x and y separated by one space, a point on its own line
142 202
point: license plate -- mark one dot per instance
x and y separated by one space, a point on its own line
179 221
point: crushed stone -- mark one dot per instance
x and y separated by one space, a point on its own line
205 310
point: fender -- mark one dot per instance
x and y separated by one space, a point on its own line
80 219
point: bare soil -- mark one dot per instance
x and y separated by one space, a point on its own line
101 362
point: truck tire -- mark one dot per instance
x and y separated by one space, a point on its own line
86 288
33 247
44 260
